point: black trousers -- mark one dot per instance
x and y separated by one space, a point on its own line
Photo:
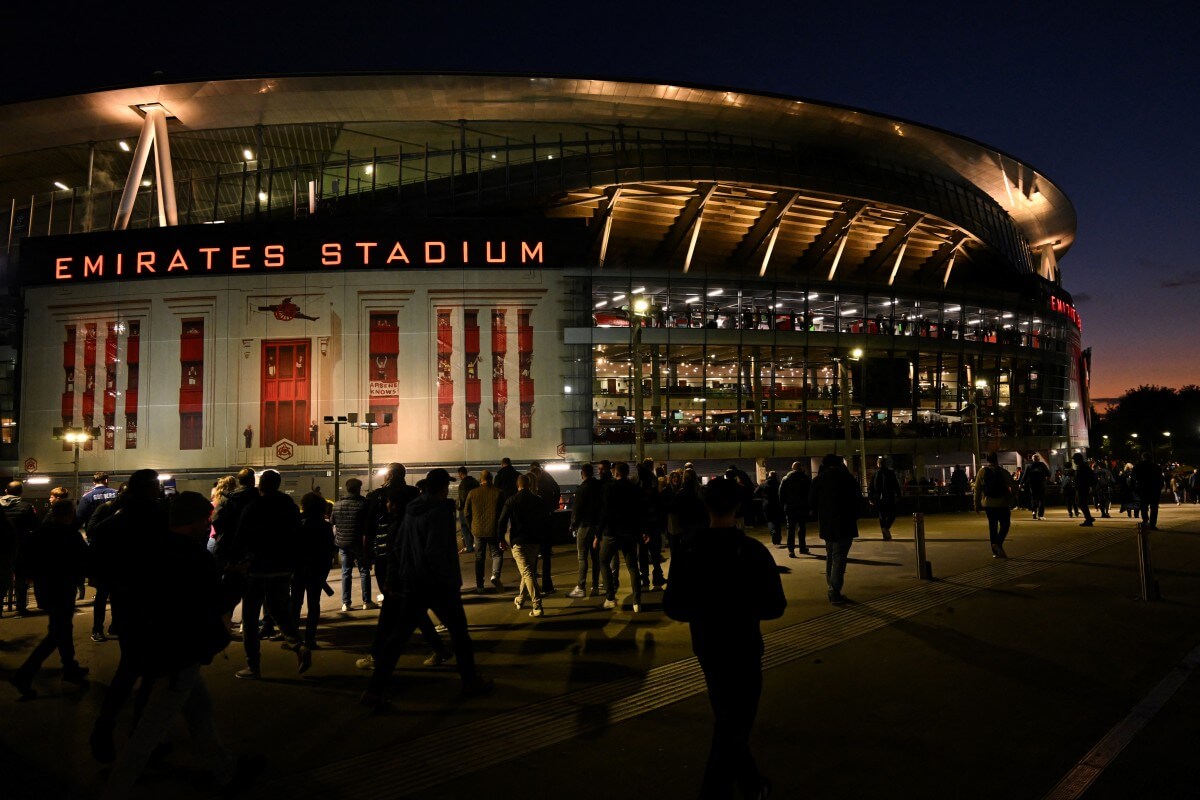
734 687
59 604
887 514
998 521
389 614
545 551
1085 503
307 590
650 555
99 606
271 593
797 522
446 602
1037 500
1150 510
627 547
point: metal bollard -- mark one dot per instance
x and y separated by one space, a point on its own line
1146 566
924 568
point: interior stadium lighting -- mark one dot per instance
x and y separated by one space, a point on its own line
62 186
618 298
641 305
368 169
249 156
558 466
813 296
716 292
262 197
165 478
601 304
550 158
638 290
692 300
493 155
1006 315
123 145
952 309
145 183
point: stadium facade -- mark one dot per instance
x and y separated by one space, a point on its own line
533 267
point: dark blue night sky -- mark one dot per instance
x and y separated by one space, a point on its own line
1103 98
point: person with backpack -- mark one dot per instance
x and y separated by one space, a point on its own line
993 495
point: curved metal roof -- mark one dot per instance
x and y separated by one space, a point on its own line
1039 208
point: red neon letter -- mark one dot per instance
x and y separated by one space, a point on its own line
530 253
441 246
208 255
145 260
331 254
366 248
93 267
273 256
177 262
398 254
239 258
503 253
62 268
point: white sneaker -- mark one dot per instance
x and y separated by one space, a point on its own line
379 597
636 608
367 606
365 663
518 601
577 592
537 612
345 607
610 603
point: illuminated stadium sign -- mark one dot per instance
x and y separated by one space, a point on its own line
301 247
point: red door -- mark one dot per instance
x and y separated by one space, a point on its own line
285 391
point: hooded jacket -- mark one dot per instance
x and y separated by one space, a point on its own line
834 497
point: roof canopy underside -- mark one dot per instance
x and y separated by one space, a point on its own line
32 134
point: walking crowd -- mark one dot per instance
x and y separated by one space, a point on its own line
250 545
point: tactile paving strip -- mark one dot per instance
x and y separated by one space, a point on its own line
419 764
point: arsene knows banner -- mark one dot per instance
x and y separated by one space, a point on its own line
302 246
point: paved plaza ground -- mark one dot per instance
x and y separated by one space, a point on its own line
994 680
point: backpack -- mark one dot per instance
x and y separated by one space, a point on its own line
994 485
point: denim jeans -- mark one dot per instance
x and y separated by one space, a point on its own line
836 553
180 693
270 592
587 555
352 557
481 552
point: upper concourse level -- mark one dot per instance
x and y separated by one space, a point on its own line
698 178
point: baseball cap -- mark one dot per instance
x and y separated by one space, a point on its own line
437 478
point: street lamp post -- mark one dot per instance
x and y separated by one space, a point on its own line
337 423
1170 450
370 425
76 437
639 307
1070 450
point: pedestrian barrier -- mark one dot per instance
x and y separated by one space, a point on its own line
924 568
1149 584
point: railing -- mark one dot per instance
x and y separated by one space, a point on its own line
456 178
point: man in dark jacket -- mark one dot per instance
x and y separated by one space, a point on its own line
834 498
793 496
621 520
1034 478
466 484
1148 483
726 636
56 555
1085 484
348 523
426 570
176 638
768 492
526 517
379 522
97 496
544 486
506 478
121 551
885 492
267 536
8 557
24 520
585 513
